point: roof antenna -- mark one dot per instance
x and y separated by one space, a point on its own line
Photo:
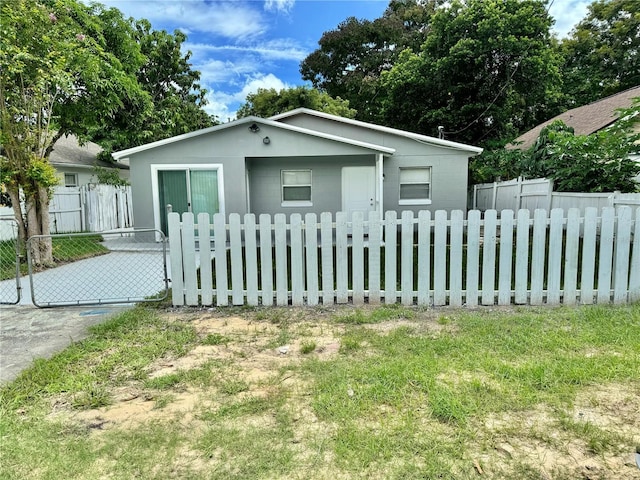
441 132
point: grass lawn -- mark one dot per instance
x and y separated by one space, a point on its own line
333 393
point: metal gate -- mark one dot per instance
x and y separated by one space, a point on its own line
9 262
101 268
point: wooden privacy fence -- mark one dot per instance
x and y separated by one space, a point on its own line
429 260
536 193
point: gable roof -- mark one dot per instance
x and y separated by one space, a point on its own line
249 120
67 152
584 120
372 126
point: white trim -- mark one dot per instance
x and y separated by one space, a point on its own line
155 193
380 183
380 128
296 203
261 121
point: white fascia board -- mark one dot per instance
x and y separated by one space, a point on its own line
252 119
372 126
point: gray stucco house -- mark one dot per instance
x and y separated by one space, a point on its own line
297 162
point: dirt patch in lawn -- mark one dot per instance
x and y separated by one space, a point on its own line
261 356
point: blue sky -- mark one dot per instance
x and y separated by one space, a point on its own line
242 45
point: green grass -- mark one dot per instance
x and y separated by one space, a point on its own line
428 399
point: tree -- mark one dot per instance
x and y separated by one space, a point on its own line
486 71
166 75
351 58
602 55
56 77
268 102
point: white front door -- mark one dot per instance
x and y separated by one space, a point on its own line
358 190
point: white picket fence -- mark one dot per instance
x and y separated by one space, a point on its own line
439 260
89 208
537 193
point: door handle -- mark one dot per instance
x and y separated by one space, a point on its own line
371 202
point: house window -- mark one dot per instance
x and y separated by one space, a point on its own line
70 179
415 186
296 188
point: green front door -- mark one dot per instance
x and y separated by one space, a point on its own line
188 190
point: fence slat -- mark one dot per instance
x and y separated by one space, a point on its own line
266 260
634 277
311 251
375 235
538 249
297 261
554 267
342 265
282 296
406 295
522 257
506 257
455 258
326 240
473 257
440 259
606 255
588 263
237 265
220 246
189 259
175 256
489 257
251 257
571 257
206 271
622 255
390 256
424 257
357 252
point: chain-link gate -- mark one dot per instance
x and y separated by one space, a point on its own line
9 262
100 268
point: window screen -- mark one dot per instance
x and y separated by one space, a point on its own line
415 184
296 185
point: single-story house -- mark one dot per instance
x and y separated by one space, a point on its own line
75 163
584 120
297 162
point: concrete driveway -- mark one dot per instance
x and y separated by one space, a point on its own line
27 332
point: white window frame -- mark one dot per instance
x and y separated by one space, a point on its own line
75 179
414 201
296 203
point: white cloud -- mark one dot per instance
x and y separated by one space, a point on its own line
567 14
283 6
236 20
275 49
224 105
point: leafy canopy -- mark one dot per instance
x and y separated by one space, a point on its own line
268 102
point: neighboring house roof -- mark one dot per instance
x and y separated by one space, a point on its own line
584 120
258 120
393 131
68 152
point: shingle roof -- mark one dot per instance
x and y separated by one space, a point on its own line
584 120
68 152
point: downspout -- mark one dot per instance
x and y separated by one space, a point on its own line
380 185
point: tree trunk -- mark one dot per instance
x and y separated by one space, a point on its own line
33 229
14 195
46 247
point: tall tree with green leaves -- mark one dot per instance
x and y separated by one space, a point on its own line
57 76
602 54
350 59
166 74
268 102
486 71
